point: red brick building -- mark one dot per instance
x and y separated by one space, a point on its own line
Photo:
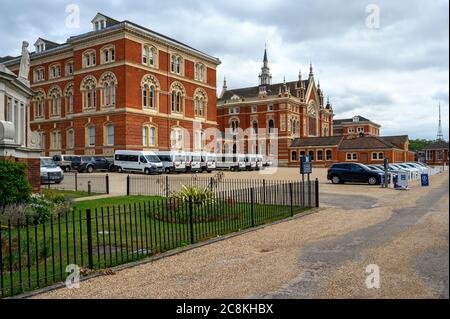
120 86
265 119
436 154
326 151
355 127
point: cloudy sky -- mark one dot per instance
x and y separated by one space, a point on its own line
393 70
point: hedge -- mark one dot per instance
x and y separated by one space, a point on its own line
14 185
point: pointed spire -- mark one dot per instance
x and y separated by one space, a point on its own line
265 59
225 87
311 73
300 75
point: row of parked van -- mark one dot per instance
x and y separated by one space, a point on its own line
185 162
162 162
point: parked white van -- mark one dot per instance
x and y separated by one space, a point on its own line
193 162
172 161
232 162
208 163
138 161
252 162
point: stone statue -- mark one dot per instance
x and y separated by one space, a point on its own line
24 63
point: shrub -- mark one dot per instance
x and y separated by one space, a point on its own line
14 185
200 196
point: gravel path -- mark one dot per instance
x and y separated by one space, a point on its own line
321 255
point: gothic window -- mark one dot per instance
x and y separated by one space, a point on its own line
89 93
150 92
271 126
108 85
234 125
39 104
312 114
68 93
177 96
200 102
55 96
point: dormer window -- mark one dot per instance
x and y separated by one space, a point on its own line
356 119
39 46
99 24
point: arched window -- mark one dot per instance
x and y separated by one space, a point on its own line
55 71
109 134
320 155
89 59
176 64
108 84
150 92
200 72
39 104
311 155
200 102
89 93
329 155
54 97
177 97
149 136
312 114
108 54
68 93
234 125
149 55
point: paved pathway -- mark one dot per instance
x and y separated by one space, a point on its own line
323 255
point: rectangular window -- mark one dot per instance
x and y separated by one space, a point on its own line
329 155
70 139
110 135
91 136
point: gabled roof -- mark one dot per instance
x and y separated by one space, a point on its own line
109 21
253 91
48 44
317 141
6 58
398 141
438 145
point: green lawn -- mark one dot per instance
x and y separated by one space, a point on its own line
123 229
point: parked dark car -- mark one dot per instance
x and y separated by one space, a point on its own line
354 173
91 163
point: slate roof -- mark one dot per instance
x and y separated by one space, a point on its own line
253 91
110 25
350 121
398 141
360 143
317 141
438 145
6 58
366 142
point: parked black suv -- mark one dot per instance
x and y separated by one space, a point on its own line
91 163
353 172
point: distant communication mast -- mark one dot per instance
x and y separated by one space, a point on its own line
440 135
